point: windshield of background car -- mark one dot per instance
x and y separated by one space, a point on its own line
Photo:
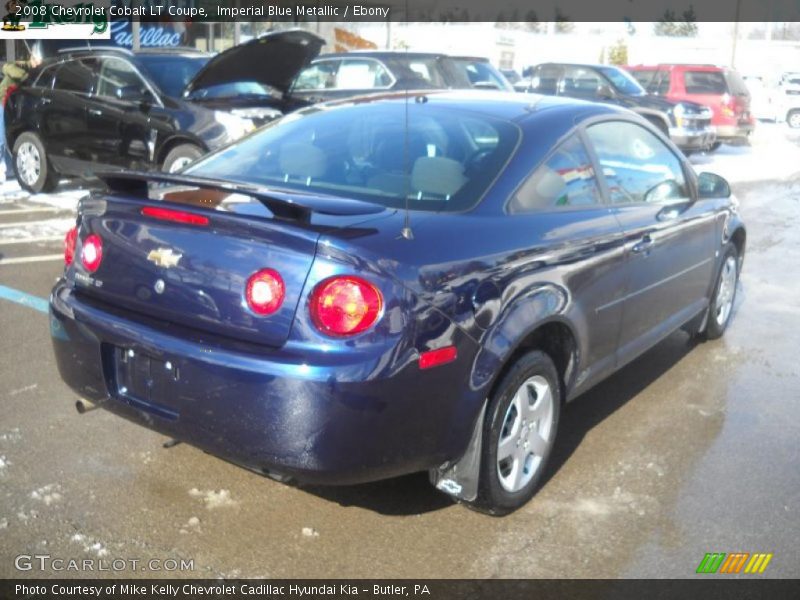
623 81
481 74
235 89
444 160
172 73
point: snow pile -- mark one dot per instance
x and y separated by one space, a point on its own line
213 499
48 494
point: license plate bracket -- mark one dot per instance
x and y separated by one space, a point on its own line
143 380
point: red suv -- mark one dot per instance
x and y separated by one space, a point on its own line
721 89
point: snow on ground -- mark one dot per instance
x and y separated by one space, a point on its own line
774 154
212 498
32 231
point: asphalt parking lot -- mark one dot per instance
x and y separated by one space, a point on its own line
691 449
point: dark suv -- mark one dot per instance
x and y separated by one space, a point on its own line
688 124
90 109
342 75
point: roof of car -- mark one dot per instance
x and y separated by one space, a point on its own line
572 64
508 106
383 54
679 66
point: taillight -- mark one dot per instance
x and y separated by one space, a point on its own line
9 90
265 292
69 245
728 106
92 252
345 305
177 216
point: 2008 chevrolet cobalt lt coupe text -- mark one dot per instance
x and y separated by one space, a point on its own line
394 284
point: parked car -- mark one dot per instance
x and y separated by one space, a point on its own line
720 88
688 124
344 75
511 75
787 99
390 285
94 108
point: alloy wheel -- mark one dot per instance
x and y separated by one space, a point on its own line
29 163
727 287
526 433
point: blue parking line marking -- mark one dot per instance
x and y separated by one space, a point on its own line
34 302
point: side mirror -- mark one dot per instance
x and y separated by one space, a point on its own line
710 185
604 91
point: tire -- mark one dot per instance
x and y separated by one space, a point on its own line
180 156
724 296
507 482
793 119
32 166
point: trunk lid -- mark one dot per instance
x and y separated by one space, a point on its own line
273 60
195 273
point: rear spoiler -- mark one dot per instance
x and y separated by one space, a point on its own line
284 204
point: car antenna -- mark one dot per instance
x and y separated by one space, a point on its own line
406 232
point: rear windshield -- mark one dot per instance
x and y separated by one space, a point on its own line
482 74
705 82
444 160
172 73
736 84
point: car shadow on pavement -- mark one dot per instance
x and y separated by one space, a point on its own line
588 410
402 496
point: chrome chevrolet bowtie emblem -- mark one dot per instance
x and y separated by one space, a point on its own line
164 257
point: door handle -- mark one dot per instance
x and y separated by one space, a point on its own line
45 100
95 112
644 245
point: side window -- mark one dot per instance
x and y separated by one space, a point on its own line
580 82
361 74
77 76
566 179
45 78
662 88
545 79
319 76
637 166
116 75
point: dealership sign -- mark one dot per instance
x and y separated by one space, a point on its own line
69 19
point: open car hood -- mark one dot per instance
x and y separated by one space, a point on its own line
273 59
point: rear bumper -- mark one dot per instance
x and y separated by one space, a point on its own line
693 139
352 419
733 133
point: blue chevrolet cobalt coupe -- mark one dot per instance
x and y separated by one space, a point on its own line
394 284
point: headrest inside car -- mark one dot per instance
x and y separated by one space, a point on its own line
437 175
302 160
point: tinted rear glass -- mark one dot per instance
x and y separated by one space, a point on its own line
736 84
705 82
172 73
443 161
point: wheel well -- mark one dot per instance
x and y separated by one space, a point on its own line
739 238
554 339
174 143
